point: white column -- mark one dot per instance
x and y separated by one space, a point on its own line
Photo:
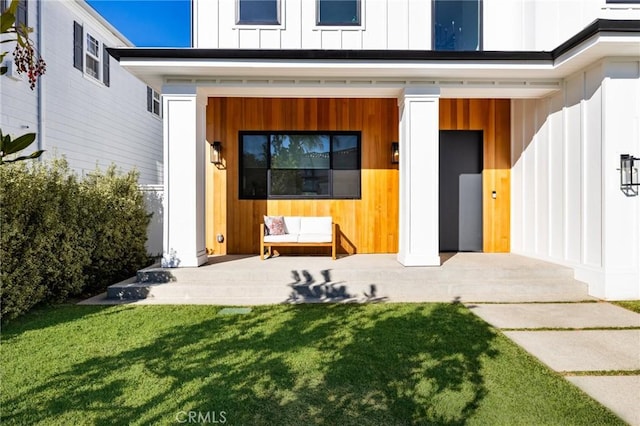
184 172
419 186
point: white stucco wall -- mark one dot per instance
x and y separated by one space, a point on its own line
84 120
567 206
403 24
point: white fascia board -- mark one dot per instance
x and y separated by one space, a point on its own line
595 49
381 69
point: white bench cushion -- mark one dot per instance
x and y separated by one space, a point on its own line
314 238
315 225
285 238
292 224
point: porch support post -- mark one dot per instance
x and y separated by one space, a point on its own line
184 173
419 136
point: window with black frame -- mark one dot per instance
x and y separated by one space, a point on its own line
299 165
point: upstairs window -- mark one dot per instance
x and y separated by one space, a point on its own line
457 25
21 12
92 65
90 55
153 101
258 12
291 165
338 12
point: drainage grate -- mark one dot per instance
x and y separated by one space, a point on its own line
234 311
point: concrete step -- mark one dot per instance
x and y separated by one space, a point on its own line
253 292
473 277
422 274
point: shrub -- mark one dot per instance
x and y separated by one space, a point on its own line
60 237
116 208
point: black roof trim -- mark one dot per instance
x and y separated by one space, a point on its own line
330 55
596 27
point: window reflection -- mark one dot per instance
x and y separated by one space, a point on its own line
457 25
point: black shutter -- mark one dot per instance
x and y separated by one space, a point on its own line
3 5
149 99
21 14
105 66
77 46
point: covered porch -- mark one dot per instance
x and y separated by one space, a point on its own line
572 114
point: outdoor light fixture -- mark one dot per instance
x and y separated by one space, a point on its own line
395 152
629 181
216 153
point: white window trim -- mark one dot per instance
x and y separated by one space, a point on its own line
98 58
156 98
280 25
326 27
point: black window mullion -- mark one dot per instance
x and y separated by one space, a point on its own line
269 135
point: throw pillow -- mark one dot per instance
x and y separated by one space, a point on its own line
274 225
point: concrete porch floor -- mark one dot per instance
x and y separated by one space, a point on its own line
246 280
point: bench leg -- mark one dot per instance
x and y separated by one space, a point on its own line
334 241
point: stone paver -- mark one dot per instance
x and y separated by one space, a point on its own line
556 315
555 334
582 350
620 393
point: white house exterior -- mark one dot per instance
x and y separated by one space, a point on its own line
86 107
559 81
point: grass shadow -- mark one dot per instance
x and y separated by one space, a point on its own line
285 365
325 364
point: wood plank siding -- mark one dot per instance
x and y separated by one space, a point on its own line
493 117
367 225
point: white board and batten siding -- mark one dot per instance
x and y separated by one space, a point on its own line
567 206
508 25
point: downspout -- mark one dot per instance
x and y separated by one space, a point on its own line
41 91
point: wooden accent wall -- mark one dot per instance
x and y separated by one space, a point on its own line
493 117
367 225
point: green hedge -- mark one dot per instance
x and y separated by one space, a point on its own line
61 236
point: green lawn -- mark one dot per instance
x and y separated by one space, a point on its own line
632 305
378 364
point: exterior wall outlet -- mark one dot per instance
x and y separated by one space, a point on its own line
12 70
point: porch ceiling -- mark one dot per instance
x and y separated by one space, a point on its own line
361 73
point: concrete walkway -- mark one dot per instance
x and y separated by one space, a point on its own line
596 346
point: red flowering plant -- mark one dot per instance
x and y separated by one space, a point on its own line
27 61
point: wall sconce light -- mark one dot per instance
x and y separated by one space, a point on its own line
216 153
629 181
395 152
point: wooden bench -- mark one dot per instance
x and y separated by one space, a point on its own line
300 231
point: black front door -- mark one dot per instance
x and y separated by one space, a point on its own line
460 190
